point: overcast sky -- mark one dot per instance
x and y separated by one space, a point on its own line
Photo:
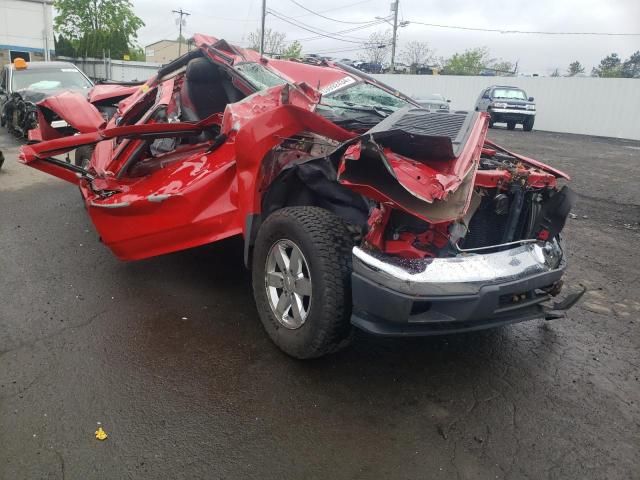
234 19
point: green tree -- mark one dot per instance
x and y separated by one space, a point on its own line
503 67
293 51
575 68
470 62
137 54
555 73
64 47
631 66
97 26
610 66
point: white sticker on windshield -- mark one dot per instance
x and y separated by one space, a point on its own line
338 84
68 70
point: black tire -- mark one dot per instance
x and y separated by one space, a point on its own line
18 121
511 125
9 116
325 242
527 125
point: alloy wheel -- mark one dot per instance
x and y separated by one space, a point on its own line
288 284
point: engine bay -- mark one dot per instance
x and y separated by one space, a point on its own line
433 188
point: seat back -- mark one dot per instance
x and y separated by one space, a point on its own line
203 92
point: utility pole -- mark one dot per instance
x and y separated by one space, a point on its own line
394 7
264 15
180 23
45 33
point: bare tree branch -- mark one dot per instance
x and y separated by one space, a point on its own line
417 53
376 49
274 41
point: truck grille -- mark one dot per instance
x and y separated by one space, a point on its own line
430 129
432 124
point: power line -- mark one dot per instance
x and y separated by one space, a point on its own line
323 33
320 31
244 29
372 24
308 28
226 19
318 14
252 20
340 50
336 8
528 32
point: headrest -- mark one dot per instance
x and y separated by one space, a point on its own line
202 70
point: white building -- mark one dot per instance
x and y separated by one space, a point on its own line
165 51
26 30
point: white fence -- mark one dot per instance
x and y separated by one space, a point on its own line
117 70
607 107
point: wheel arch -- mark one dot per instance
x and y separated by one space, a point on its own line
256 136
296 187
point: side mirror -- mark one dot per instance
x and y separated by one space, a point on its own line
531 99
448 100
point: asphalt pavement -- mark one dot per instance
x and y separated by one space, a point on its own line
169 357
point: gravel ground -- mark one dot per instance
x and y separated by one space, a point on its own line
169 356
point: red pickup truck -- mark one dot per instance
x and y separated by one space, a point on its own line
358 207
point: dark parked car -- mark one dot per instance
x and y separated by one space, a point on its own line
435 101
368 67
508 105
23 84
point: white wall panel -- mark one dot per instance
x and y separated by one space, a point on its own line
25 24
608 107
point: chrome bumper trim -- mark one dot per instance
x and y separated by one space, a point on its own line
512 110
460 275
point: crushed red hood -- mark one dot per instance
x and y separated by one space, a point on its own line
416 161
74 108
111 91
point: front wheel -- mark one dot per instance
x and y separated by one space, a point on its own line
9 121
511 125
302 280
528 124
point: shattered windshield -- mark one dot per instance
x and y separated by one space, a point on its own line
259 76
364 95
359 106
49 79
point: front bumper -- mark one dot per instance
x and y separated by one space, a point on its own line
395 297
510 115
